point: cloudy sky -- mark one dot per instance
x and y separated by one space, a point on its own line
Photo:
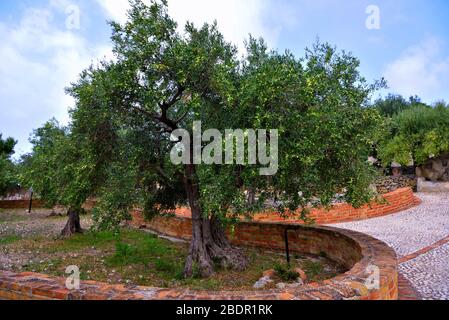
44 44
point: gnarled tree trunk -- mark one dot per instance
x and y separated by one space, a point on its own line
73 224
209 244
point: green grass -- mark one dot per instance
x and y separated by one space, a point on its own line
312 269
9 239
80 241
150 252
42 267
286 273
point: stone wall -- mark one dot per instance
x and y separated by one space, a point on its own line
435 170
432 187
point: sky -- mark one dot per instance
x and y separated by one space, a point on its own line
45 44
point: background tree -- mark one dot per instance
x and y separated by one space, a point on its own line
418 133
7 167
62 170
162 80
394 104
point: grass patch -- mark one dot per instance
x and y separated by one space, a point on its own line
286 273
42 267
313 269
9 239
81 241
150 253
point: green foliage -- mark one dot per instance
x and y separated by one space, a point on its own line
40 169
418 133
118 143
319 105
285 273
7 146
87 240
7 174
9 239
7 167
312 268
64 167
395 104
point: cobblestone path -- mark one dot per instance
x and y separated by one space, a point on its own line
420 237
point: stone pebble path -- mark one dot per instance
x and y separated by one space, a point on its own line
420 237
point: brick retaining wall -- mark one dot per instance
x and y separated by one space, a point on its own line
37 204
355 250
393 202
20 204
396 201
358 252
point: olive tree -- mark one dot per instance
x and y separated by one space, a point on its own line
62 169
163 80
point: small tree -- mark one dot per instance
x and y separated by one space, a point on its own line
62 170
7 167
161 81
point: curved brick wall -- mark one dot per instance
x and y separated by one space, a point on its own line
393 202
20 204
354 250
357 251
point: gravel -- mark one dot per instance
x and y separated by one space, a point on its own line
37 225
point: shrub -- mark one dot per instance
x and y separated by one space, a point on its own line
418 133
286 273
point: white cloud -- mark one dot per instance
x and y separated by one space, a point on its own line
115 9
420 70
236 18
40 57
38 61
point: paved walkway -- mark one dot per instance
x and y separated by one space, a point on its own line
420 237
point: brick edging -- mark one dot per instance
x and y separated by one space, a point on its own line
424 250
20 204
390 203
406 289
363 250
396 201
